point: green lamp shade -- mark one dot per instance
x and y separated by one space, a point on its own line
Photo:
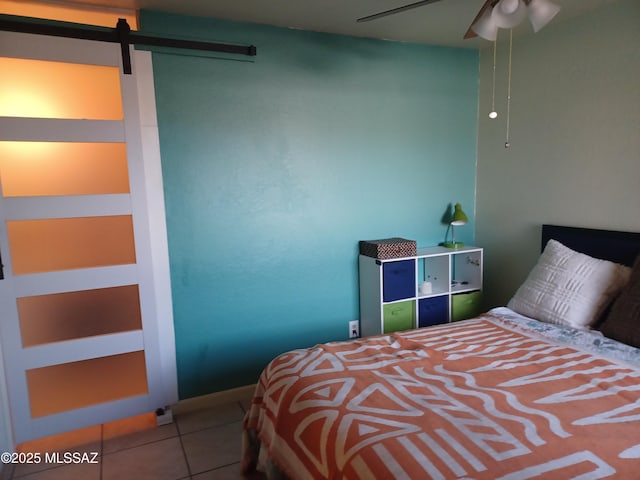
459 217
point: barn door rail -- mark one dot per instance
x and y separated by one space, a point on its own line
123 35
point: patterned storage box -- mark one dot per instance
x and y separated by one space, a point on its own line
388 248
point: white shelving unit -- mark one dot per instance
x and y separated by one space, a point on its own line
437 285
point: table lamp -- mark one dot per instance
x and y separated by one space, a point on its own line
458 218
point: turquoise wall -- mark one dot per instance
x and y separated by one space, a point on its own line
276 166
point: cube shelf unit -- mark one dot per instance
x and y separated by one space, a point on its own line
391 297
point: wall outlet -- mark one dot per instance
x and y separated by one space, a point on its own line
354 328
164 416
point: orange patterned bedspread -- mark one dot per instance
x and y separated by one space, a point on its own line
476 400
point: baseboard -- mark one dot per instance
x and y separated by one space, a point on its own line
212 399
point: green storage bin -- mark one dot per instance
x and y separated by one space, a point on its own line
399 316
465 305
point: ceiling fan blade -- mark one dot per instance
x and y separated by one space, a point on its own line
488 4
396 10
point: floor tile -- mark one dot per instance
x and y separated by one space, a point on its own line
84 471
162 460
84 440
230 472
202 444
214 447
6 472
199 419
135 431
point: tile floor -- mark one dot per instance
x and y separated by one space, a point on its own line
202 443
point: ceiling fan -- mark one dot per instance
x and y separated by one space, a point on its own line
493 14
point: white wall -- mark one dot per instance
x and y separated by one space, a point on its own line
575 139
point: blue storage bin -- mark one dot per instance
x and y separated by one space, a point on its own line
433 311
398 280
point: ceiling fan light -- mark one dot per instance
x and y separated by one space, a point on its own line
485 27
541 12
509 13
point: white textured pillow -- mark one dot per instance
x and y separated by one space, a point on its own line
568 288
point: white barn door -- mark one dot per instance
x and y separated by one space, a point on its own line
87 331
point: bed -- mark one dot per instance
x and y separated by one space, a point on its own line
545 387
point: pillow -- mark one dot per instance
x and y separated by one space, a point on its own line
568 288
623 321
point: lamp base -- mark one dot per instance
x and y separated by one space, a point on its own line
453 244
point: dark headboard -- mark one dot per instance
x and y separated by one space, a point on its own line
619 247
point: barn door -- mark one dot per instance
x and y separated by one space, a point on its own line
80 317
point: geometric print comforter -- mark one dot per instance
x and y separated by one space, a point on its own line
487 398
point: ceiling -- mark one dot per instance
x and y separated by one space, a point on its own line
440 23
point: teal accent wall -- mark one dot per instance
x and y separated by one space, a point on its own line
276 166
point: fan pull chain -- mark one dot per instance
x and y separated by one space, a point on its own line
506 143
493 114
